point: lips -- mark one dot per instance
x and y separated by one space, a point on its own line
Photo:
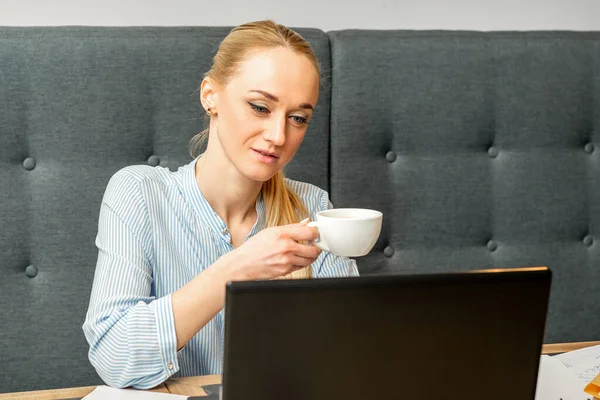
266 153
265 156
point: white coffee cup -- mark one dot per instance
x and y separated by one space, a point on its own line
348 232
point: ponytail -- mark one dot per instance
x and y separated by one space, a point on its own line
283 206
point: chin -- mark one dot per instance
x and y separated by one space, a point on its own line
261 173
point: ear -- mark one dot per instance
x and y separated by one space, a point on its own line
208 95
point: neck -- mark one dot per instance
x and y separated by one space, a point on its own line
231 195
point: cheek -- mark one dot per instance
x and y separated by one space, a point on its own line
234 127
231 119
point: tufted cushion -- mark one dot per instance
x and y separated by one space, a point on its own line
481 150
76 105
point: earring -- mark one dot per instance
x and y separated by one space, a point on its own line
208 112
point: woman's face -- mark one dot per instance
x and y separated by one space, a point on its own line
262 113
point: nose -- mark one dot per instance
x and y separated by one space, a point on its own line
275 132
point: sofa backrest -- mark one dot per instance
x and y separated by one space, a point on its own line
478 147
76 105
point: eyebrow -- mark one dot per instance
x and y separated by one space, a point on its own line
276 99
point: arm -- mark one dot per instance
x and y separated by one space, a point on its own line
131 333
196 303
134 336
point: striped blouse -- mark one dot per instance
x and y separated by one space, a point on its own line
156 232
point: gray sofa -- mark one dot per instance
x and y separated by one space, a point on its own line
479 148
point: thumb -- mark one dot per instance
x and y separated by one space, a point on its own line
304 222
300 224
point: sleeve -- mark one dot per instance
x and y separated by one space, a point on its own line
131 334
329 265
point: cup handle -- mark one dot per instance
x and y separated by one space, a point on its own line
320 243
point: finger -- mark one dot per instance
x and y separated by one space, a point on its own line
304 222
299 233
306 251
298 262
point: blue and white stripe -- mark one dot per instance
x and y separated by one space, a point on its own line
156 232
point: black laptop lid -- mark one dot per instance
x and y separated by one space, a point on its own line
466 335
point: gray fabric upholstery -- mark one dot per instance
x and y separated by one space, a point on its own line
479 149
76 105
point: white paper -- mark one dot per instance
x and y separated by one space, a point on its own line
556 382
585 363
108 393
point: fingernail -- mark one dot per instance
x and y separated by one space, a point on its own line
305 221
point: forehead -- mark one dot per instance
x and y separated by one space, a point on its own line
282 72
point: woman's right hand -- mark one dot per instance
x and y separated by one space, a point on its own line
271 253
274 252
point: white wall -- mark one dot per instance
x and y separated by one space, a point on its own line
323 14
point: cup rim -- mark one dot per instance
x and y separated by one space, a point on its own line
374 214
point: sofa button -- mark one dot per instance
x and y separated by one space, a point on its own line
493 152
390 156
31 271
588 240
589 148
388 251
492 245
153 161
29 163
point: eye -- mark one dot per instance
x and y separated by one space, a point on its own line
298 119
259 109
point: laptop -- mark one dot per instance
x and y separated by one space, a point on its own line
468 335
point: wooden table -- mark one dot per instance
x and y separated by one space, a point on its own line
564 347
191 386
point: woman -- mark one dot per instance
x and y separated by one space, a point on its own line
170 241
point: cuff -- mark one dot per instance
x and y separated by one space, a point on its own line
167 336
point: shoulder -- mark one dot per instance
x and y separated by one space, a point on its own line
141 175
314 198
130 186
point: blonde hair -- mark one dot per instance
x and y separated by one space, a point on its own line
283 206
